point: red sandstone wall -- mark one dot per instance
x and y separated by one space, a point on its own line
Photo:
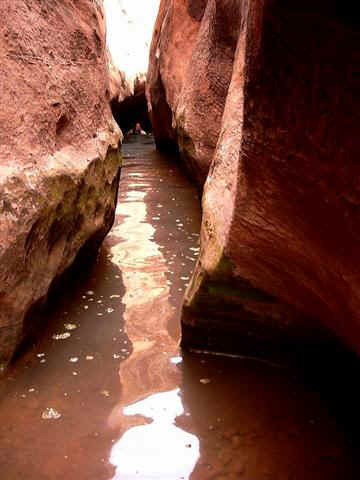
59 165
280 233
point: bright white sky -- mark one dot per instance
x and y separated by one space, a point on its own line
130 25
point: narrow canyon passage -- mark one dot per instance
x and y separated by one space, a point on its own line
105 392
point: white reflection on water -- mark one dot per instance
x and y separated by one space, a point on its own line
159 450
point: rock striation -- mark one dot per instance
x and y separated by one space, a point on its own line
260 99
59 159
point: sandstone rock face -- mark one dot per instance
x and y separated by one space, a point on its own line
119 88
278 266
59 160
191 64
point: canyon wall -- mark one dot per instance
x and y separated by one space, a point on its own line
119 87
260 98
59 159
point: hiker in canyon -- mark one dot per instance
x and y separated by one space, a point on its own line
137 130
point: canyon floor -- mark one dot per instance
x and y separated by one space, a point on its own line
105 392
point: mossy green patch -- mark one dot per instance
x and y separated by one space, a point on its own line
114 159
234 292
224 268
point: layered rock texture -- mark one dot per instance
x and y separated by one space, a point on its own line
59 160
263 94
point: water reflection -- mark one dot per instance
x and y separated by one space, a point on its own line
242 419
160 449
250 420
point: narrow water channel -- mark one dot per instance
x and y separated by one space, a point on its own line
106 393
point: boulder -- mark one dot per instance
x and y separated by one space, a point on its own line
276 122
59 159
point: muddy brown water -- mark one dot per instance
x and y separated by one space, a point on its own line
115 398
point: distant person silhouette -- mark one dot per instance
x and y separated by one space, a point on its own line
137 130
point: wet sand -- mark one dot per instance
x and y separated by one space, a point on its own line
105 392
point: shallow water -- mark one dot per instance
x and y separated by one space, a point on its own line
106 393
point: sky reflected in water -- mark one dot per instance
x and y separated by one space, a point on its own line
159 450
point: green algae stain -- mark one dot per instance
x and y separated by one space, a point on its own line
226 291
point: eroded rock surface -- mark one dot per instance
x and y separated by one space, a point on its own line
191 64
120 88
265 92
59 160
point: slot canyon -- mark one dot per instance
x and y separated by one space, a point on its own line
179 244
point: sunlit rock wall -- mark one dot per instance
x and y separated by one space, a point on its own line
191 62
59 161
264 93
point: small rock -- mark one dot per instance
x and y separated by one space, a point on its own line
70 326
61 336
205 381
50 414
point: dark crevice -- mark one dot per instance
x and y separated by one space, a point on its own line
131 111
